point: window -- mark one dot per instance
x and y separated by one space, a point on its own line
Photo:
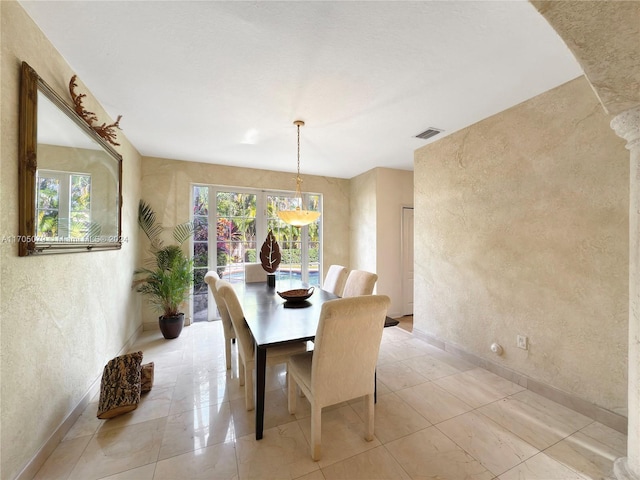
243 219
63 205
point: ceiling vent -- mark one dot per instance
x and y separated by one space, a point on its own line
428 133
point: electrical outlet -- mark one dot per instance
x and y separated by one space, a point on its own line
522 342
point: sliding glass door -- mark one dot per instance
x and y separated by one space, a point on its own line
242 219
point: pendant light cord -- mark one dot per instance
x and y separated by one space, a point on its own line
298 179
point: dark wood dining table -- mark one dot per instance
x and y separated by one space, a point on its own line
274 322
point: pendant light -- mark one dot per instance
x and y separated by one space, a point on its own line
298 217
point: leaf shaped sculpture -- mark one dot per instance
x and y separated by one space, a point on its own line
270 254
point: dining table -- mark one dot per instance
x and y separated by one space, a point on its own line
274 322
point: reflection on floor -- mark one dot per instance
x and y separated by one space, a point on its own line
436 417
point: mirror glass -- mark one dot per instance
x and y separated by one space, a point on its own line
70 177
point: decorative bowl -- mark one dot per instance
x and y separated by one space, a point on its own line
297 295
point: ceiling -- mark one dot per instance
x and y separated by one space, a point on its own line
222 82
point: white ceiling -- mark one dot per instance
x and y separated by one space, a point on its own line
222 82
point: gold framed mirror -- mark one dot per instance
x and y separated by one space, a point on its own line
70 177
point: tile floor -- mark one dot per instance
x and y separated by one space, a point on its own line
437 417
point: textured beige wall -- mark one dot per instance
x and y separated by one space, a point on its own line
521 227
63 316
604 36
166 185
363 222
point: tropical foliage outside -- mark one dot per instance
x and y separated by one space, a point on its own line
236 238
64 209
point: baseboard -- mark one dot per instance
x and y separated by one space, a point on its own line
31 468
606 417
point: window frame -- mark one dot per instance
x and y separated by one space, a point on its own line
261 224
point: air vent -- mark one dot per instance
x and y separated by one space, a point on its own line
428 133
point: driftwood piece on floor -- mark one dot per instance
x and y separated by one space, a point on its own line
120 386
146 377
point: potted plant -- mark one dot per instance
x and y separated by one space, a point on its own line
168 279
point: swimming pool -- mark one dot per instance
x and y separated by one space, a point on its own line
236 275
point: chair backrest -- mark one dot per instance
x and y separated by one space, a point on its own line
359 283
212 279
346 348
243 334
334 281
253 272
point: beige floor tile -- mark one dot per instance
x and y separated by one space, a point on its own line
433 403
193 424
535 419
197 429
86 424
166 376
154 404
161 354
382 388
591 451
541 467
154 346
397 376
430 367
205 363
60 463
141 473
396 351
342 435
282 453
244 422
375 464
316 475
395 334
477 389
494 381
495 447
448 358
276 412
199 391
613 439
429 454
393 418
120 449
215 462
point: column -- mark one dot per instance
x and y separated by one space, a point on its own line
627 126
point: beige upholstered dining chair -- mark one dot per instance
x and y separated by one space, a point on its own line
246 345
343 363
334 281
229 333
359 283
253 272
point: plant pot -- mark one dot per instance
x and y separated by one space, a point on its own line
171 327
271 279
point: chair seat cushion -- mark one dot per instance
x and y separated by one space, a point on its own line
300 366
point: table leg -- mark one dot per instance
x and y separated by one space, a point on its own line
261 372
